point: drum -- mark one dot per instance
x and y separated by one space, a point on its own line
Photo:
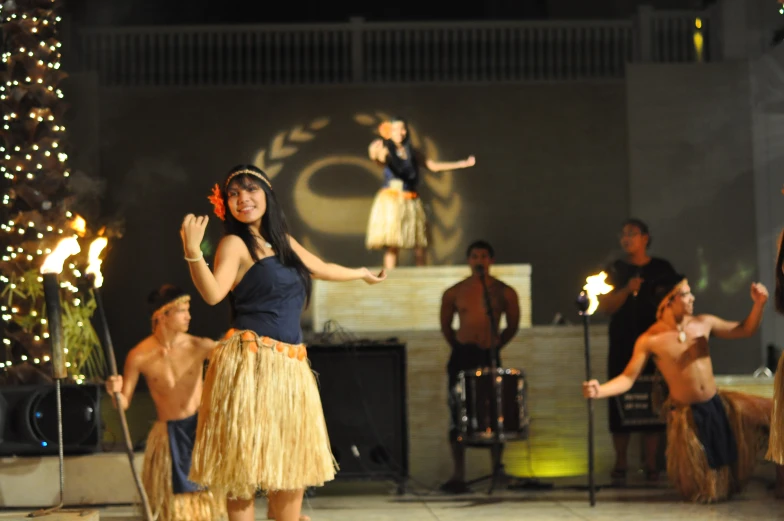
477 425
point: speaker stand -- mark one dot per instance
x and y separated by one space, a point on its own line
511 482
529 484
402 486
47 511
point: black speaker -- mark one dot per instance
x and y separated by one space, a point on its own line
28 419
363 392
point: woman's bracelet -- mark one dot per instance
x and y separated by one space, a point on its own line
195 259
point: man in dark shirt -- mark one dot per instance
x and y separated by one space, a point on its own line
632 311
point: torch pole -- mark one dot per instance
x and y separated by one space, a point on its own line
106 340
582 304
591 485
54 316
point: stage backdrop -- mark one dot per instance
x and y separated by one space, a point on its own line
549 187
559 166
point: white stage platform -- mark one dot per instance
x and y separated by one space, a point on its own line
556 448
63 515
409 300
406 306
91 479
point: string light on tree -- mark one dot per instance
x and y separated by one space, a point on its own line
37 208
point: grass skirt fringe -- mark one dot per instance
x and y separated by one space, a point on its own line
776 443
397 220
687 465
261 424
157 480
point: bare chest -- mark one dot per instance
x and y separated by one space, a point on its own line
682 350
472 298
165 373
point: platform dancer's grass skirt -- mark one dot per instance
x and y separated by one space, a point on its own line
397 220
157 481
687 465
261 424
776 443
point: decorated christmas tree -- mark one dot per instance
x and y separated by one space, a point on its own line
39 207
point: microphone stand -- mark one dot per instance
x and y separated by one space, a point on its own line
496 408
497 405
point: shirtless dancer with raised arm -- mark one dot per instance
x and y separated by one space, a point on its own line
713 436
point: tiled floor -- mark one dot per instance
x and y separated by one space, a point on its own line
566 504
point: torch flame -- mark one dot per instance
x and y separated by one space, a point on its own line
595 286
79 225
94 263
53 263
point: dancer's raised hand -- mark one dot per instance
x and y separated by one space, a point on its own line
192 233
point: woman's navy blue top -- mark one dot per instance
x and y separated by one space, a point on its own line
269 300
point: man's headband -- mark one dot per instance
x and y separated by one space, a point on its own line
666 299
158 313
182 299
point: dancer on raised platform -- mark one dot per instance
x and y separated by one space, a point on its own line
261 424
397 218
632 310
172 363
475 341
713 436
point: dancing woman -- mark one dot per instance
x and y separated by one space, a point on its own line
261 424
397 217
776 444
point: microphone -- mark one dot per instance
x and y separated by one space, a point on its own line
637 274
480 270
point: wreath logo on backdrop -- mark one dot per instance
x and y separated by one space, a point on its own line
348 215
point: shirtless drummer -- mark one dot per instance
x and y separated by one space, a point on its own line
475 341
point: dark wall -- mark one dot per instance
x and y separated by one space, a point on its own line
767 100
549 188
691 177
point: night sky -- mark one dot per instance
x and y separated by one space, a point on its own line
181 12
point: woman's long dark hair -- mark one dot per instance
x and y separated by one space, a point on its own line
402 169
274 228
779 295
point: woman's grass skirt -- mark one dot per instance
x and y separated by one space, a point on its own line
776 444
261 424
397 220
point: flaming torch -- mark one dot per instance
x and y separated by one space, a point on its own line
94 279
50 271
587 304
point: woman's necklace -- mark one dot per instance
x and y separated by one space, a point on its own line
266 242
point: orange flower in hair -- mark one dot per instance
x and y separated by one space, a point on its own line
217 202
385 130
